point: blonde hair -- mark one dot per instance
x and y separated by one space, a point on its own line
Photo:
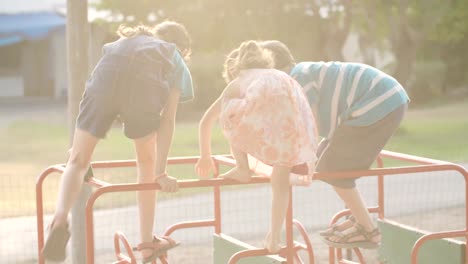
248 56
168 31
281 53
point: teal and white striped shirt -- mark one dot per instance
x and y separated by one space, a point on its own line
348 93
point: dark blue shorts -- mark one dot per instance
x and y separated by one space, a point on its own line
126 87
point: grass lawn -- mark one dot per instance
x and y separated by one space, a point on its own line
31 146
438 133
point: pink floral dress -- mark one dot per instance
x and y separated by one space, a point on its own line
271 120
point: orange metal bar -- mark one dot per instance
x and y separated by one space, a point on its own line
432 236
410 158
121 257
359 255
40 208
380 189
143 187
188 224
220 182
308 244
429 165
247 253
217 203
344 261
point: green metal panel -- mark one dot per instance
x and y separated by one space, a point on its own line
398 241
226 246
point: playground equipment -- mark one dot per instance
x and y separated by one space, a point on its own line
242 252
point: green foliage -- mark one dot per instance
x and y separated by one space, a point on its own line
427 81
453 26
416 32
206 69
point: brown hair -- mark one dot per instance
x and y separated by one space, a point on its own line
168 31
252 55
249 55
130 32
176 33
281 53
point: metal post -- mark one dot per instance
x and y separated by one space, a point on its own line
77 61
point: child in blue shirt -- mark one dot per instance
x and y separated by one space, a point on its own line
140 78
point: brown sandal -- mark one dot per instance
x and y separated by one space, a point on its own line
343 241
55 248
157 246
334 228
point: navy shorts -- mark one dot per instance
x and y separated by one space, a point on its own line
126 87
356 148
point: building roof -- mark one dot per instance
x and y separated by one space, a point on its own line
15 28
30 6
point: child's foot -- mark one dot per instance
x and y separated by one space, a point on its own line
238 174
355 236
272 244
338 227
150 251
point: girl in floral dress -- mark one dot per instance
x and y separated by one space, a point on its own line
265 114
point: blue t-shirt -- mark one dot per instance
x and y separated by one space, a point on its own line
180 78
348 93
150 51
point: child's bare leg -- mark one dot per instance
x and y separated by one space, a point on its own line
146 162
72 178
242 171
279 206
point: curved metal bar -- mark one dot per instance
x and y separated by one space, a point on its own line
359 255
188 224
119 236
439 235
247 253
306 238
40 207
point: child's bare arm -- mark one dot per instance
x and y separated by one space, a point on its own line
205 163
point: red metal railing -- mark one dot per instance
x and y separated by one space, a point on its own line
290 251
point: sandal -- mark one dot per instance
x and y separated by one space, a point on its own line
343 241
334 228
56 243
159 246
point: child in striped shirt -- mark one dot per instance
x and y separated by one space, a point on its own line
357 109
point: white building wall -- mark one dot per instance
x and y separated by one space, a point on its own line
59 63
